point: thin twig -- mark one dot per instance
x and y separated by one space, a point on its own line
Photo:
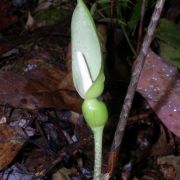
140 31
112 4
60 155
135 77
140 116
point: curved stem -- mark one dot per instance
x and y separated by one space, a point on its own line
98 133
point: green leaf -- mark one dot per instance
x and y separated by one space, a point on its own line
169 35
86 50
135 16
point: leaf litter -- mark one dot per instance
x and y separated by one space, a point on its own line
160 85
43 134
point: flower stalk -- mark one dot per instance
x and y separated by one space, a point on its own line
88 76
98 134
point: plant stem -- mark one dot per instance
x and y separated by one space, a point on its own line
134 80
140 31
135 76
98 133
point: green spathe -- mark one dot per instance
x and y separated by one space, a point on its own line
95 112
97 87
85 41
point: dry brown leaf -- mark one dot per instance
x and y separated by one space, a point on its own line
43 86
11 141
171 160
159 84
63 174
164 145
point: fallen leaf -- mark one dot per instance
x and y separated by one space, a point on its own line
63 174
11 141
37 158
159 84
41 85
163 146
171 160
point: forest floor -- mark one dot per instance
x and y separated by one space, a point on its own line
42 131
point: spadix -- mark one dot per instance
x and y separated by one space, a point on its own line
84 72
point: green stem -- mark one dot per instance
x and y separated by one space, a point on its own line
98 133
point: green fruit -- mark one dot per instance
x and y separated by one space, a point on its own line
95 112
